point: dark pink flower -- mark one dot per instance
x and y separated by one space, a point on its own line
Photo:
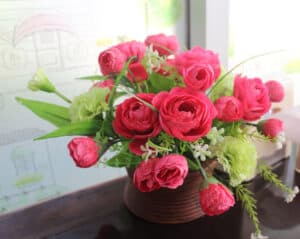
215 199
135 120
137 72
184 114
84 151
198 76
276 90
170 171
111 61
272 127
229 109
253 95
198 55
164 45
143 177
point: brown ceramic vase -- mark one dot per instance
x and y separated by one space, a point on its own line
166 206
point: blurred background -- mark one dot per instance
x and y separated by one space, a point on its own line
65 38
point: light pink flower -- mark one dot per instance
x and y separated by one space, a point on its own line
164 45
111 61
276 90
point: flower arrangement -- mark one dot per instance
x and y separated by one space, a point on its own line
165 113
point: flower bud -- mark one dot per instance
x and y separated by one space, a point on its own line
41 82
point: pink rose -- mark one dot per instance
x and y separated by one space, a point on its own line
184 114
253 95
135 146
276 90
135 120
84 151
215 199
272 127
132 48
111 61
164 45
143 177
199 76
137 72
229 109
170 171
198 55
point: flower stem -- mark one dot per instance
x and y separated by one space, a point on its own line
62 97
202 171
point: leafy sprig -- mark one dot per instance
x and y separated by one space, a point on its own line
248 201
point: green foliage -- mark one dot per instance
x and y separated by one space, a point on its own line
268 175
55 114
124 159
89 105
157 83
89 128
192 165
93 78
249 203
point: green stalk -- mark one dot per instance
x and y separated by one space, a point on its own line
62 97
238 65
202 171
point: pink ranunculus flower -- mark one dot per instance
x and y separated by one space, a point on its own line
198 55
164 45
272 127
199 76
84 151
132 49
253 95
276 90
170 171
215 198
143 177
136 120
135 146
185 114
229 109
137 72
111 61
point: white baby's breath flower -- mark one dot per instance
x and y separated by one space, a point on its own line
149 152
258 236
279 140
152 59
290 196
215 136
200 151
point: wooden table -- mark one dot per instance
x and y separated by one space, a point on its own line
99 213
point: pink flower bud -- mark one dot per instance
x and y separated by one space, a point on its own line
84 151
276 90
137 72
215 198
272 127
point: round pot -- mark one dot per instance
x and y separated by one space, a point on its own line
167 206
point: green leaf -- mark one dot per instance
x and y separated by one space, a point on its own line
55 114
93 78
88 128
124 159
158 83
192 165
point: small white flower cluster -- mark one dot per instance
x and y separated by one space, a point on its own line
215 136
154 60
149 152
258 236
200 151
290 197
279 140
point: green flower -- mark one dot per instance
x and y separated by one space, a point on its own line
89 105
239 158
41 82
